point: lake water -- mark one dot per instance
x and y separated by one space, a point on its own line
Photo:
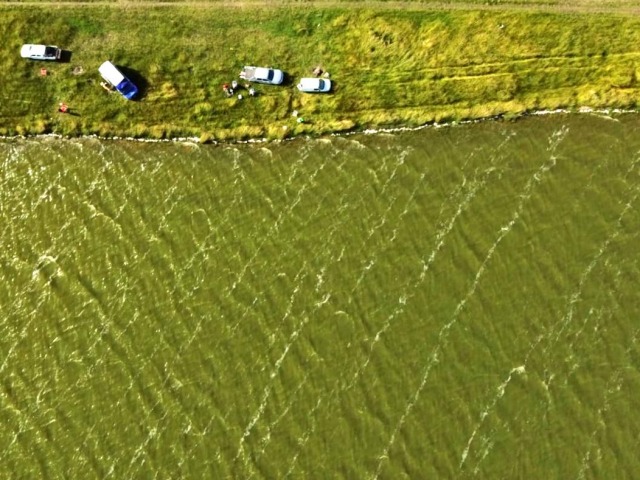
446 303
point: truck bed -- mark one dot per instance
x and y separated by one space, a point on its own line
248 73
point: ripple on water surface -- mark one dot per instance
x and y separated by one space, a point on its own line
437 304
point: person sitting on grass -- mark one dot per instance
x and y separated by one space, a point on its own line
106 86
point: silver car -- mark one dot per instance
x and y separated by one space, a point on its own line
270 76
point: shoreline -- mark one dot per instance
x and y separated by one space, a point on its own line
196 141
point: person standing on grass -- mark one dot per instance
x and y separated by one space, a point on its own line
63 108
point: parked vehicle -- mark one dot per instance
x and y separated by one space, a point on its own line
40 52
122 84
314 85
270 76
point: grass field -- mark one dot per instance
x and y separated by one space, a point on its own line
390 67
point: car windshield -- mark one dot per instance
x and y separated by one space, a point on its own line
321 84
270 75
49 51
126 88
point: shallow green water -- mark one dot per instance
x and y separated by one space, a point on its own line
451 303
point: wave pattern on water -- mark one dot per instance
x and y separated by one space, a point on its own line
444 332
428 304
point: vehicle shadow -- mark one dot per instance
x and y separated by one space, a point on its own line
288 80
138 79
65 56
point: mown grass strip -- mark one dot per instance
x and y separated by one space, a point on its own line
390 67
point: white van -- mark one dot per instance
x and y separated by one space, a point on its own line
122 84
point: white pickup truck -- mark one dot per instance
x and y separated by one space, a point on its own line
40 52
270 76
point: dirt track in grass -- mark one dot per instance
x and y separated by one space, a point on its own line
626 7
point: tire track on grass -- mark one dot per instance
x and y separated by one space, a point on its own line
567 6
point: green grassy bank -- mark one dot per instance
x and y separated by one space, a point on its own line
391 67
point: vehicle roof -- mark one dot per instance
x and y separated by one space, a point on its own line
32 49
110 73
310 82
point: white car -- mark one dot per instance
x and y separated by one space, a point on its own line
314 85
40 52
270 76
